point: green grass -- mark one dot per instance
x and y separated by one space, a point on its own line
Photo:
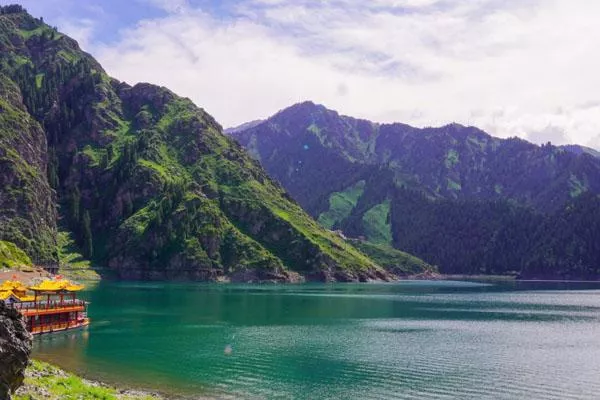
576 186
13 257
56 384
165 164
139 222
67 56
95 154
453 185
451 158
377 225
72 263
160 169
34 32
394 260
20 60
39 79
179 109
38 31
120 138
314 128
341 205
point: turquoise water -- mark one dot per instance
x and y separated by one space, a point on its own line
409 340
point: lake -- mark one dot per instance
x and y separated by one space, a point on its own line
406 340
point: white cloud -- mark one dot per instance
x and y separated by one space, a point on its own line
171 6
551 133
82 30
509 67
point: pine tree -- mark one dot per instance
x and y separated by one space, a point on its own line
128 207
53 169
88 245
75 203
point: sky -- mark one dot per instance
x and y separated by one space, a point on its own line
527 68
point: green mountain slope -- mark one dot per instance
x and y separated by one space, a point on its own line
455 196
13 257
27 210
144 179
341 205
396 261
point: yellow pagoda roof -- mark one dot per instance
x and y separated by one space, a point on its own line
5 294
12 285
56 285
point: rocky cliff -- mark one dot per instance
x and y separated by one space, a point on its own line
15 348
27 203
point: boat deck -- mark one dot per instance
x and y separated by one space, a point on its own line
59 326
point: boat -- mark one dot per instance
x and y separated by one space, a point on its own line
49 306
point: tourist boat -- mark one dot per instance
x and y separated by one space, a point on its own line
50 306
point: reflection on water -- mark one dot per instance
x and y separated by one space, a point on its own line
71 344
421 340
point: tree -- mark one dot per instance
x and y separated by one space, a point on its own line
53 169
88 245
128 207
12 9
75 202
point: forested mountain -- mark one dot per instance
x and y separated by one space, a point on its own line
144 179
574 148
454 195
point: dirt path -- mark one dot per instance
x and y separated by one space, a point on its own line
26 278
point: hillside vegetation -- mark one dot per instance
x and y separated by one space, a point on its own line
454 195
396 261
12 257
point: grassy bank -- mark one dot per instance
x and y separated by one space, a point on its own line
73 264
393 260
44 381
13 257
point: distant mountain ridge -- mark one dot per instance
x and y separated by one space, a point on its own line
577 149
243 126
451 161
361 177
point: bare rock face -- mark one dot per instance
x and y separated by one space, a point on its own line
15 348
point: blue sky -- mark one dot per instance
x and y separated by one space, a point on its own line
525 68
109 16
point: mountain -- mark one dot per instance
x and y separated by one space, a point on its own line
145 180
454 195
574 148
243 127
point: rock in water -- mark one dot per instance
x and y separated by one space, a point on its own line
15 348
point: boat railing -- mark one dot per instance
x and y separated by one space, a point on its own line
58 326
48 305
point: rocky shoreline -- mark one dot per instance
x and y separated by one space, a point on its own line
45 381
